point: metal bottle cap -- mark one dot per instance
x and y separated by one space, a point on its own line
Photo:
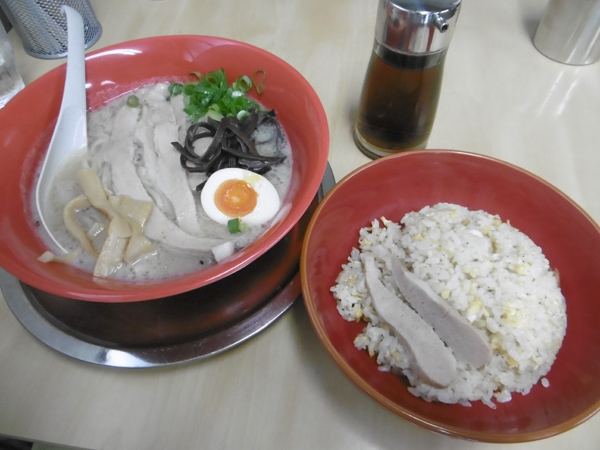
416 26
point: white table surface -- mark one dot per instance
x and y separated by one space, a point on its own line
280 390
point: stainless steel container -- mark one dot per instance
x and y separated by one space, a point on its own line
42 27
569 31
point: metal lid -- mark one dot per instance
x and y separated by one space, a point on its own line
416 26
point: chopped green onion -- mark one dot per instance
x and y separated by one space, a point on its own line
213 114
175 89
213 93
242 84
133 101
236 226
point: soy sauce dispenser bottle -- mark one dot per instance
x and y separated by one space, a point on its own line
402 85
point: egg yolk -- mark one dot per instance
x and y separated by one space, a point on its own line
235 198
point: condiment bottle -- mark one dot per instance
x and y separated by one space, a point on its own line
402 85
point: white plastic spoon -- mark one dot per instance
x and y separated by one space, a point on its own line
70 133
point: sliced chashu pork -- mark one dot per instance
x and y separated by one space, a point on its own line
119 172
432 360
200 145
120 175
147 161
163 171
172 178
117 154
161 229
467 343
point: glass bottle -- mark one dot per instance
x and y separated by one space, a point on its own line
402 85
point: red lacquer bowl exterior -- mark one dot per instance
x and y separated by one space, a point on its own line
28 121
395 185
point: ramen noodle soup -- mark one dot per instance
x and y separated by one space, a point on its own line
139 147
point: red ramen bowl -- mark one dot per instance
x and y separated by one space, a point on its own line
570 239
28 123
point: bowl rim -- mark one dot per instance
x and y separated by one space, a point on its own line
142 291
363 385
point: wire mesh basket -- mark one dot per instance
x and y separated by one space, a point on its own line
42 26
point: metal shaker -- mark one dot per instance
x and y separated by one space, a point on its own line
569 31
42 26
403 81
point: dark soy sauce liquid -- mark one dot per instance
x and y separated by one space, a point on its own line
399 101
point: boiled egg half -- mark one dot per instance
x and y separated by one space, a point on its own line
235 193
